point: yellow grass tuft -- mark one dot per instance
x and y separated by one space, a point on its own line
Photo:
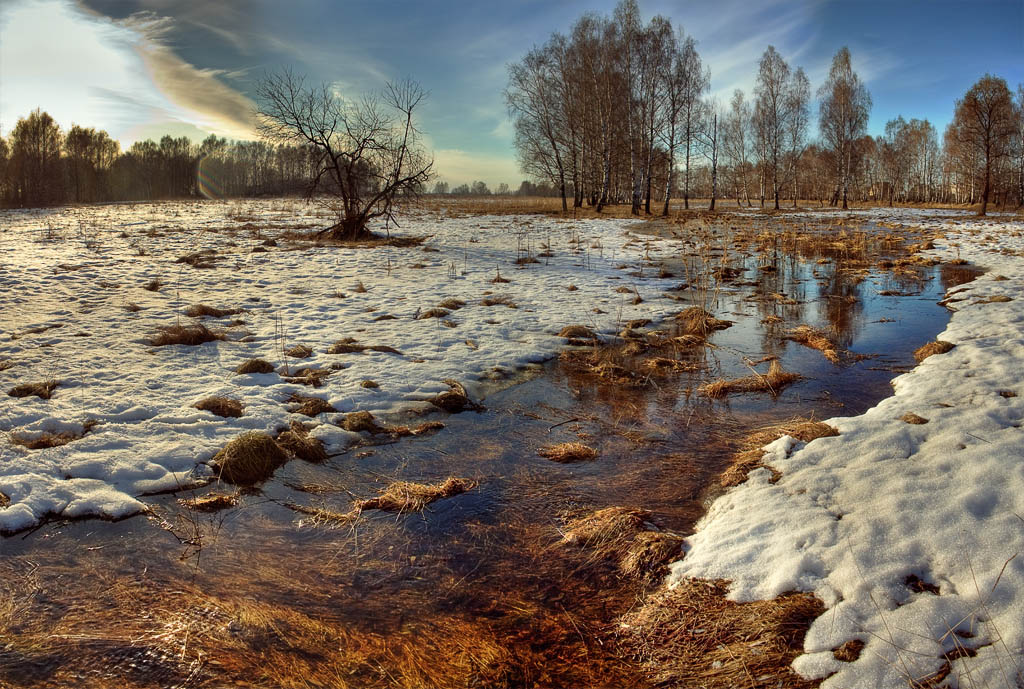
697 321
255 366
568 452
815 339
189 335
310 406
248 459
42 390
221 406
774 381
935 347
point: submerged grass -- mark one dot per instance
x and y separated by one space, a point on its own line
773 381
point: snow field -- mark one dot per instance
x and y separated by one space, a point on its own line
861 518
67 276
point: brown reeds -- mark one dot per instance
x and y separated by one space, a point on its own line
815 339
773 381
403 496
692 635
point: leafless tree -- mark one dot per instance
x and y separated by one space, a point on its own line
985 121
369 153
845 106
736 143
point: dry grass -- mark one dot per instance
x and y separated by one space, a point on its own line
577 332
403 496
348 345
369 384
935 347
751 455
221 406
451 304
297 442
248 459
625 536
774 381
696 321
499 300
42 390
44 440
912 418
201 310
454 400
815 339
692 635
6 364
568 452
310 406
153 285
189 335
255 366
361 422
211 502
200 259
432 313
299 352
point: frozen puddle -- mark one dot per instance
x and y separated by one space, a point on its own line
82 290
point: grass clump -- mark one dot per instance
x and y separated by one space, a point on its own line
455 399
221 406
403 496
299 352
296 441
625 536
935 347
697 321
211 502
499 300
432 313
912 418
361 422
692 635
43 390
773 381
568 452
815 339
153 285
189 335
452 304
201 310
310 406
577 332
255 366
348 345
751 455
249 459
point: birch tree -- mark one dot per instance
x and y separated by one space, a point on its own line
843 118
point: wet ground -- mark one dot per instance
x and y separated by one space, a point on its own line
476 590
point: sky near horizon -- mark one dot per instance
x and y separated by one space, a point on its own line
143 68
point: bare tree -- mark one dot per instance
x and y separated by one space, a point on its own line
736 143
984 121
845 105
710 137
369 153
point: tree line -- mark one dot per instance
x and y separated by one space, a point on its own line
40 165
618 111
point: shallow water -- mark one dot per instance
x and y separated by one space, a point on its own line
476 590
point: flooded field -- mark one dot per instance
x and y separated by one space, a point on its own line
486 587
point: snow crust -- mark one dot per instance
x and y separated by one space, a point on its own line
855 516
78 268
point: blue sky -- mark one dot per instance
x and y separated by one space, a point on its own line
141 68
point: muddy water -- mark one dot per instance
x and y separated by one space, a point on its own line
476 590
